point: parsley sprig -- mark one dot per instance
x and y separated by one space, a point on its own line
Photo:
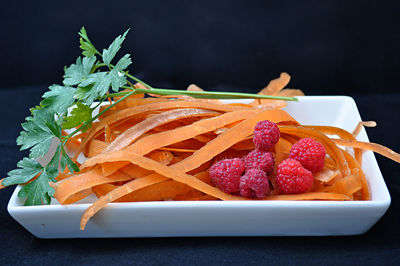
85 82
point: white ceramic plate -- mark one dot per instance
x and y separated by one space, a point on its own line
223 218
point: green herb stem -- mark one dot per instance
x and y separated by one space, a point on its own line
209 94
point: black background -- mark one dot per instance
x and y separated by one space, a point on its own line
328 47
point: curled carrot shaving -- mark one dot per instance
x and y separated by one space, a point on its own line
162 170
382 150
142 109
139 129
362 124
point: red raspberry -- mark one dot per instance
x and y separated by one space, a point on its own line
225 174
310 153
254 183
260 159
293 178
266 135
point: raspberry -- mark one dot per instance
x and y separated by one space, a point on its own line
254 183
310 153
266 135
293 178
225 174
260 159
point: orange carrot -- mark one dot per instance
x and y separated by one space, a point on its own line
347 186
139 129
151 142
382 150
162 170
78 196
76 183
362 124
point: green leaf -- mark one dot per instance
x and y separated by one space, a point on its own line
37 107
65 160
54 162
94 87
86 45
28 169
79 71
39 191
80 114
117 76
109 54
38 132
58 98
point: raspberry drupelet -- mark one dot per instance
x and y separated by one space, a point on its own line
254 183
310 153
225 174
266 135
293 178
260 159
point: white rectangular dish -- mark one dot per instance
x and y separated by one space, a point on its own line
223 218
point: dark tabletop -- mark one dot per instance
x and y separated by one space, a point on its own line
381 245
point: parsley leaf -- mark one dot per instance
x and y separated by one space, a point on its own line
86 45
66 161
28 168
109 54
79 71
59 98
94 87
39 131
39 191
118 78
80 114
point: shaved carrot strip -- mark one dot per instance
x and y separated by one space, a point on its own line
136 131
134 171
161 191
342 134
162 139
107 134
290 93
276 85
347 186
155 141
176 149
205 197
273 88
382 150
326 175
356 170
190 195
142 109
282 150
164 157
76 183
95 147
78 196
362 124
162 170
